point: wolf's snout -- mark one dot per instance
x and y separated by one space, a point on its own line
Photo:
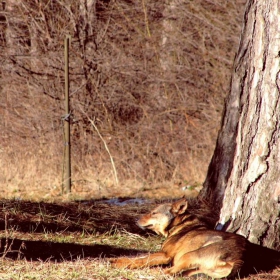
139 225
143 225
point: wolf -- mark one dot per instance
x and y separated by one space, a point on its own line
191 247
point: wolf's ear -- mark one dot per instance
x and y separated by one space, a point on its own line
180 206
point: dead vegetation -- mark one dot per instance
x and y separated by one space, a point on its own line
151 76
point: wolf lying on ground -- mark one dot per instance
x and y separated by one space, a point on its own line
191 247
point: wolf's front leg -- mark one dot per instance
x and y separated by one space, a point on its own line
145 261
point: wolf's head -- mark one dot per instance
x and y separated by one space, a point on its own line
162 216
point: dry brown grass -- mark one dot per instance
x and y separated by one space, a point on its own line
152 77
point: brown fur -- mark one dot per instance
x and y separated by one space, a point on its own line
190 246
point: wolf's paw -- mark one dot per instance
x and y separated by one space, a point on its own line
173 270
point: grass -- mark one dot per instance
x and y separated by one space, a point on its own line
72 240
71 266
36 243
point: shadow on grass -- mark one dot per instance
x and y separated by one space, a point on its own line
51 251
92 217
259 259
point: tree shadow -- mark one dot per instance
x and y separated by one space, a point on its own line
259 259
51 251
90 217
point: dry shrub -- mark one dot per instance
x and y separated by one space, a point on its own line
152 76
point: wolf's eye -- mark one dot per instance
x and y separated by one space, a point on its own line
154 213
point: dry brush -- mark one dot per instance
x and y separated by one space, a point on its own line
152 76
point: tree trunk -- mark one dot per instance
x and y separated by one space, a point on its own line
244 177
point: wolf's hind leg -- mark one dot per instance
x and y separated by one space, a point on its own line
194 262
187 261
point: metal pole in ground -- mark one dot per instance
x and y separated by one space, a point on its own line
67 179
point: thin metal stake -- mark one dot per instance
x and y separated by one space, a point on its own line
67 181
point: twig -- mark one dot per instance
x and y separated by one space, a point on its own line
107 149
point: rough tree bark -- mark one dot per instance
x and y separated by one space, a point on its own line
244 174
